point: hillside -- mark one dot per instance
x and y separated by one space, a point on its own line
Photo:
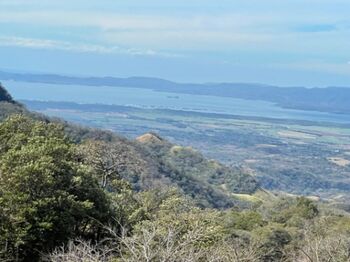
153 162
71 193
4 95
190 162
7 105
207 181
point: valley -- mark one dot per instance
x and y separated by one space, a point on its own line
295 156
295 151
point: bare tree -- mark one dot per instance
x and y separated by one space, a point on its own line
172 246
80 251
110 159
321 246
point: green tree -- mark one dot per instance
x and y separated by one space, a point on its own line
243 220
4 95
46 195
306 208
273 241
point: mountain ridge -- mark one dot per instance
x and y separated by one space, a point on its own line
329 99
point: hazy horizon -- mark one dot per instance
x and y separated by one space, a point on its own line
294 43
26 72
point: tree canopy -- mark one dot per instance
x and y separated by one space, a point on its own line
46 195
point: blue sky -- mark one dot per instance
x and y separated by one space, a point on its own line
289 42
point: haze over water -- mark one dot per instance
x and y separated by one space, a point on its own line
145 98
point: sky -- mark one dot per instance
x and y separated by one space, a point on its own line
286 43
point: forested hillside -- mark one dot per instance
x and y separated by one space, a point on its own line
4 95
74 194
152 162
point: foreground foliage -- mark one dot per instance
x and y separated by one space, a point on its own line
61 201
177 231
46 195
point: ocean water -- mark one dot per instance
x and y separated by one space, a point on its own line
145 98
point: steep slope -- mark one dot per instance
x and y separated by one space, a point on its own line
190 171
4 95
153 162
192 163
7 105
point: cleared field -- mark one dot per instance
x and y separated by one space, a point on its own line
339 161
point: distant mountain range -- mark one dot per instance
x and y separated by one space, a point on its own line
331 99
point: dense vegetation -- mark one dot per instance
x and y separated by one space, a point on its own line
4 95
46 195
74 194
153 162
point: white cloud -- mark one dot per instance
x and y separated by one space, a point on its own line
74 47
52 44
319 66
108 21
252 21
143 32
201 31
